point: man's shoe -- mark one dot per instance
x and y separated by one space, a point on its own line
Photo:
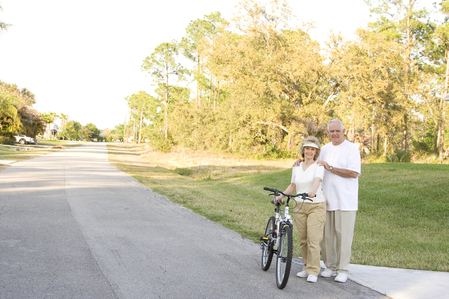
302 274
328 273
312 278
341 277
322 265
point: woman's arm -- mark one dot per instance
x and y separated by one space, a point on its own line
290 189
316 183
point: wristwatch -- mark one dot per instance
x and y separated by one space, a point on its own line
331 168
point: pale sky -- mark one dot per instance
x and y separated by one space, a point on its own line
83 57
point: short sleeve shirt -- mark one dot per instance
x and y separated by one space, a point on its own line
341 193
303 179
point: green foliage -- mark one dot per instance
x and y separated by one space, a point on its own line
272 151
90 132
49 117
400 155
9 114
183 171
262 90
159 142
7 139
16 112
71 130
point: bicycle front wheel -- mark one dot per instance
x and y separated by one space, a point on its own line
267 244
284 258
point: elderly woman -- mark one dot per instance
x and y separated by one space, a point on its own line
309 221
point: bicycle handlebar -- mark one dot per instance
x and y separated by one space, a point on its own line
276 192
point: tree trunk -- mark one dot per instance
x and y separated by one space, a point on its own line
404 134
442 127
373 133
140 127
198 90
407 75
441 139
436 138
166 106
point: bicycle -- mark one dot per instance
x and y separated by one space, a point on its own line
278 238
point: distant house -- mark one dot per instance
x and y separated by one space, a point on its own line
51 131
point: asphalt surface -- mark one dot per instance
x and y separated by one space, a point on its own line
72 226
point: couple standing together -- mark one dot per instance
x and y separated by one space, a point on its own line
330 177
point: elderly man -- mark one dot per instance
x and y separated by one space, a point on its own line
341 159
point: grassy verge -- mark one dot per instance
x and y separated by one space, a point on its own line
43 148
403 218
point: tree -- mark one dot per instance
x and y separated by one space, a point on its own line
90 132
49 118
142 106
163 67
118 132
272 77
3 26
369 75
198 32
16 112
64 118
442 34
71 130
405 17
9 115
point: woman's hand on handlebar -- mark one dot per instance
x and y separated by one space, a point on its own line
279 199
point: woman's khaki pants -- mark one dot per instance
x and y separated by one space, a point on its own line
310 225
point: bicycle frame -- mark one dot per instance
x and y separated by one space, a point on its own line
278 238
282 218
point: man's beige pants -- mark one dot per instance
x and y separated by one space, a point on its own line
337 241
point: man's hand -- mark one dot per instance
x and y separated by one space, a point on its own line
323 163
345 173
298 162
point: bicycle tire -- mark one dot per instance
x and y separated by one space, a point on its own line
284 257
267 245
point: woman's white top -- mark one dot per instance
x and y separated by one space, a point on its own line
303 179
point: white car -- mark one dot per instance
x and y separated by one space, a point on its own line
23 139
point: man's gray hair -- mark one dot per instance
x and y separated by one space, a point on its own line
337 120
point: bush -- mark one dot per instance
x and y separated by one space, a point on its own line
6 140
162 144
274 152
400 155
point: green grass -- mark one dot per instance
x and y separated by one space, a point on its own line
403 218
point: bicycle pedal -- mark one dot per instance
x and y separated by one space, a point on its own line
264 239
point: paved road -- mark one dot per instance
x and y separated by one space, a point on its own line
72 226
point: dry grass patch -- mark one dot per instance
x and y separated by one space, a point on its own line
196 165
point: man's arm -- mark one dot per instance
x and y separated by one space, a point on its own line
345 173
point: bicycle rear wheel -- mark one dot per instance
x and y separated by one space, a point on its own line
267 244
284 257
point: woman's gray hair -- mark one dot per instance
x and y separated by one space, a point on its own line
337 120
310 139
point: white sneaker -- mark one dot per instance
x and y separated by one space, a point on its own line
312 278
328 273
322 265
341 277
302 274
